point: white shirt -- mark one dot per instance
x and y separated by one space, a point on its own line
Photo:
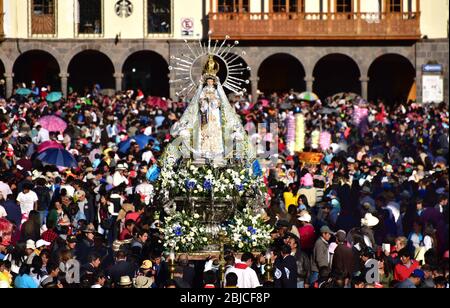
70 190
26 201
145 189
148 131
42 136
147 156
247 278
96 135
118 179
96 286
2 212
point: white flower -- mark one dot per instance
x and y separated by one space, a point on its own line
240 245
196 191
205 239
196 216
183 241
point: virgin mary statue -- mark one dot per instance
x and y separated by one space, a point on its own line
210 127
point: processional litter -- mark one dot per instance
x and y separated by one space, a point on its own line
210 169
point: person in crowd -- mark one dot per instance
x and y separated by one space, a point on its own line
382 180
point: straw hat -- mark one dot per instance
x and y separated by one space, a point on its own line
143 282
125 281
369 220
388 168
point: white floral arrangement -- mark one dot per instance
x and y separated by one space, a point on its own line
184 232
207 180
248 231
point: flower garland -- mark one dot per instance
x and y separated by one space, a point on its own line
315 135
248 231
299 133
325 140
290 134
184 232
206 181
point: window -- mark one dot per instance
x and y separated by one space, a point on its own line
344 6
90 18
233 6
395 6
43 17
43 7
280 6
159 16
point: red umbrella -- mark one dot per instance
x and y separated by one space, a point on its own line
49 145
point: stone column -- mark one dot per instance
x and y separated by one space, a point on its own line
64 78
309 83
364 86
254 81
119 78
9 84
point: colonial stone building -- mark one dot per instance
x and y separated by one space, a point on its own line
376 48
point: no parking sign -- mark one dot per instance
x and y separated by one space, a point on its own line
187 26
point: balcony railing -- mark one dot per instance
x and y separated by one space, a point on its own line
315 26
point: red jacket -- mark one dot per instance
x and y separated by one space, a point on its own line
401 272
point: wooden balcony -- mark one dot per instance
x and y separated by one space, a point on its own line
316 26
43 24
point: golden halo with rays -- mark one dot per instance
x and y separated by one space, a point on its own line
183 66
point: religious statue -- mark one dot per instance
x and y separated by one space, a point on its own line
210 127
211 141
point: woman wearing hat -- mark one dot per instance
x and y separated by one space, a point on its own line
306 232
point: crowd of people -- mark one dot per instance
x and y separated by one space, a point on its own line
379 196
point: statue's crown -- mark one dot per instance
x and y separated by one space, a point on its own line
211 67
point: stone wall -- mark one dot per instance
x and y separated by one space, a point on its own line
64 50
432 51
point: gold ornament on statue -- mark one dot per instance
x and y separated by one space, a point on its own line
211 68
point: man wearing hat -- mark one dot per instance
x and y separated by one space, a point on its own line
367 223
343 257
120 174
122 267
414 280
86 244
125 282
320 257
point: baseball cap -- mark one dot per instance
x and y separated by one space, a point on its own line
417 273
42 242
71 239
